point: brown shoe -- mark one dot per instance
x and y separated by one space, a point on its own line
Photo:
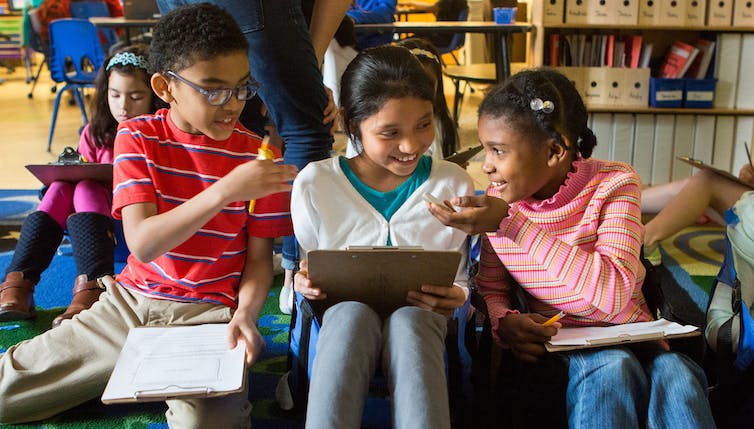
16 298
85 293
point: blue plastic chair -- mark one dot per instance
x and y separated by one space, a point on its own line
75 56
86 9
457 41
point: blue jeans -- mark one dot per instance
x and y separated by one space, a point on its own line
617 388
283 61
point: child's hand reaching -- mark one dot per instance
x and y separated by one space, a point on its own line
525 334
256 179
243 329
439 299
303 285
479 214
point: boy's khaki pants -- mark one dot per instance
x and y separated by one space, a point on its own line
71 364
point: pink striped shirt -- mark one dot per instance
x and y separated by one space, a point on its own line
577 251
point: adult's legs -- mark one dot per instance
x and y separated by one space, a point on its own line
606 388
413 357
282 59
704 189
347 350
678 395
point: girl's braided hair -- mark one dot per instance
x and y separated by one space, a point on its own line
545 104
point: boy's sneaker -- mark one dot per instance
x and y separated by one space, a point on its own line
286 293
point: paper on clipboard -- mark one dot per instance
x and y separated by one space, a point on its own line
701 165
378 276
176 362
48 173
600 336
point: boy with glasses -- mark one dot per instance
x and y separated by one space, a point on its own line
182 181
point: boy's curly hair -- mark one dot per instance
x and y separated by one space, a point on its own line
197 32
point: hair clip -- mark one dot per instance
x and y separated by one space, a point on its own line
546 106
424 53
127 58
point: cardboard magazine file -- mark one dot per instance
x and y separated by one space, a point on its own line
626 12
576 11
595 86
554 11
672 12
600 12
720 13
576 75
629 86
743 13
378 276
649 12
696 12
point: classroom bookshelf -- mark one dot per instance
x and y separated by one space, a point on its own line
627 126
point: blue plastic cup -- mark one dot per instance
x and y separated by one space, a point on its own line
504 15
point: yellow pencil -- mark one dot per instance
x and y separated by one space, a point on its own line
264 153
554 318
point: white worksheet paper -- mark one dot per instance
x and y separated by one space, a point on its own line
613 334
159 363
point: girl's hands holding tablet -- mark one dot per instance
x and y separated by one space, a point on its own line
480 214
303 285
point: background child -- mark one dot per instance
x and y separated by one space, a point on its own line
386 106
182 180
567 230
679 204
83 208
446 133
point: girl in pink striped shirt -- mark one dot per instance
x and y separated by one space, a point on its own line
564 232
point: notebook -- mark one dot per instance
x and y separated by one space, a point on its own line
48 173
378 276
140 9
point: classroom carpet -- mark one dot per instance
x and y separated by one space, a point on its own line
691 259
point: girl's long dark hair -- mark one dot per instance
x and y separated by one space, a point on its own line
447 124
103 125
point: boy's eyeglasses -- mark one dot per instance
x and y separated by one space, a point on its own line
221 96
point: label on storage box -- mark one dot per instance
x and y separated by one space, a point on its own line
700 95
668 95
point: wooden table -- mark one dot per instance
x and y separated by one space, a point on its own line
502 31
123 22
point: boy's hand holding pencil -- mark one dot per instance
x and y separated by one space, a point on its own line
255 179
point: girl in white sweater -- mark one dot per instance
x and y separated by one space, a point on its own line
375 199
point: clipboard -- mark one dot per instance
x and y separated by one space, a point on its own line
602 336
161 363
378 276
48 173
701 165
